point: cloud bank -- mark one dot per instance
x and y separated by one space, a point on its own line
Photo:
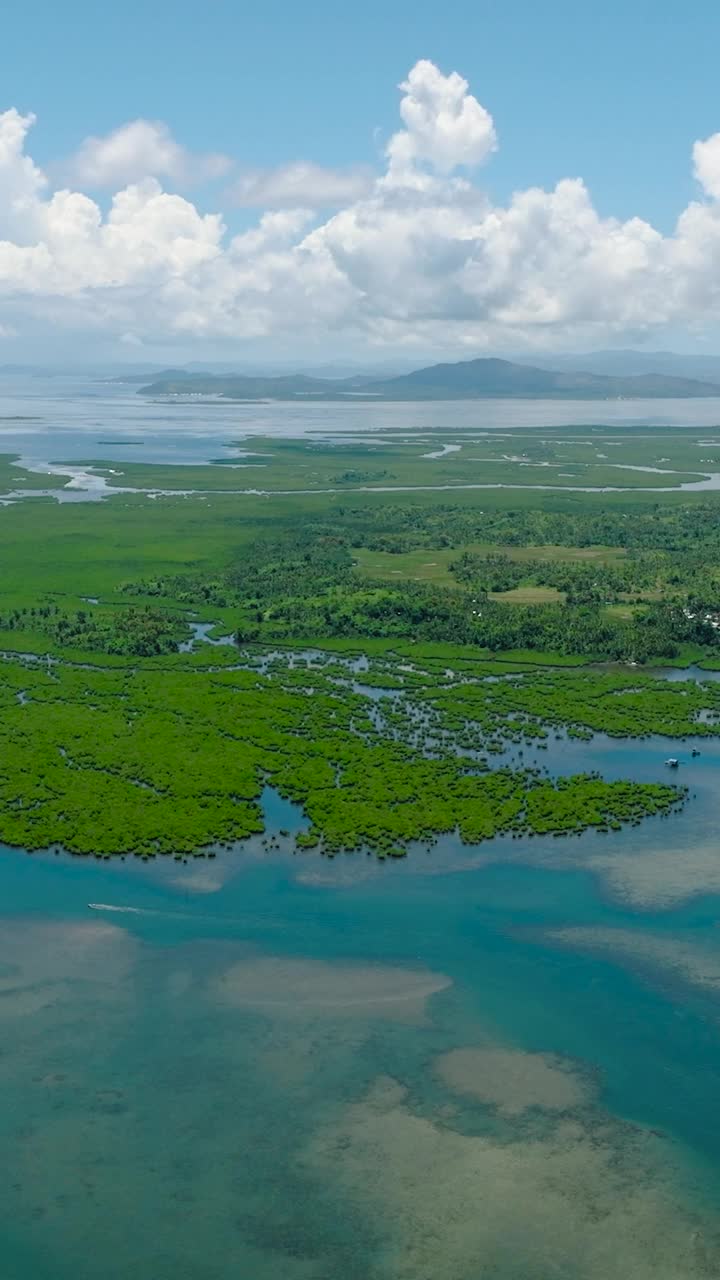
415 255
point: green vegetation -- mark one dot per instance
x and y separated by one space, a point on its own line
438 565
472 615
141 632
572 458
305 585
14 477
528 595
170 757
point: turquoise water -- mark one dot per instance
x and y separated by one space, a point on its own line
235 1068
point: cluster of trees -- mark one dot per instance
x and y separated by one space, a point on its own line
356 476
582 582
575 522
303 584
421 612
302 563
185 589
22 619
139 632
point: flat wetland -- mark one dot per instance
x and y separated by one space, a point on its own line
384 953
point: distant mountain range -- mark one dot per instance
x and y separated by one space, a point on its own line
629 363
331 371
464 380
592 375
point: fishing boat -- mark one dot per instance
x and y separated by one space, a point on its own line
672 762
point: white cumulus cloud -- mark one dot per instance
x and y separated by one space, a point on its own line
22 183
416 255
444 124
706 159
137 150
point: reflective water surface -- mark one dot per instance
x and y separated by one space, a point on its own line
45 419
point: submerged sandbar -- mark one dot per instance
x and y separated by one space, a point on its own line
513 1081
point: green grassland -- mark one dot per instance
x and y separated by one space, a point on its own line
528 595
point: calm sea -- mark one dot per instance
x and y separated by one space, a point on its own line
73 419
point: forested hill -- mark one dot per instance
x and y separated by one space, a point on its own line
464 380
488 377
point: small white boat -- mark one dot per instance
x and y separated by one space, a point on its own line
672 762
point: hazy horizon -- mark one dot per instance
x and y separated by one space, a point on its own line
372 363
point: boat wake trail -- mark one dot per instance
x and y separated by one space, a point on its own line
132 911
146 911
194 916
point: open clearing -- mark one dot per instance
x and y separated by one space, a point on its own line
529 595
433 565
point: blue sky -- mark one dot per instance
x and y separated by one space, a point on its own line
613 93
